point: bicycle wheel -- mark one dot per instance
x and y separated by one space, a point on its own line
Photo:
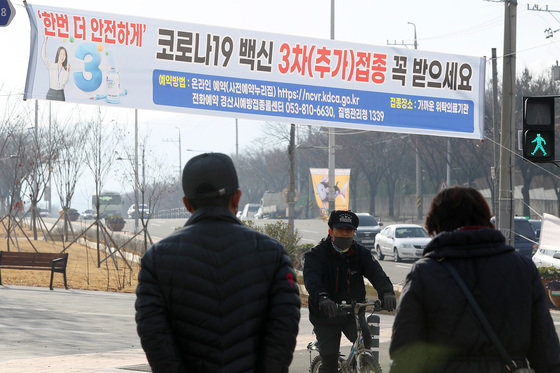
317 362
368 364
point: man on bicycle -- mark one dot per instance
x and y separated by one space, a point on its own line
333 272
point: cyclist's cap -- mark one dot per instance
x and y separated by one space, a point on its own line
209 175
343 219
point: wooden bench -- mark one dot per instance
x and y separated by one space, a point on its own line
55 262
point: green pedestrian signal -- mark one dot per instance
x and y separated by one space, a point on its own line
538 129
539 140
538 145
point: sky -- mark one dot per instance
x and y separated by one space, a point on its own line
471 28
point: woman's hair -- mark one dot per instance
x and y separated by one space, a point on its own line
65 59
457 207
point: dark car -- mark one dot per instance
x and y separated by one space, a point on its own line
536 224
367 230
526 241
73 214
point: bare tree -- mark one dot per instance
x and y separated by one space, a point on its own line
67 164
11 127
37 159
15 175
148 189
100 154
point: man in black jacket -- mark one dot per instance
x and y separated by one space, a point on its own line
333 272
216 296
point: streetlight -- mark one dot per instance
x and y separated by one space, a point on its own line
197 150
419 196
180 162
135 160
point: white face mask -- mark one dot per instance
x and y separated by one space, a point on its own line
342 244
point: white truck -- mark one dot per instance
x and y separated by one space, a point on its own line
274 206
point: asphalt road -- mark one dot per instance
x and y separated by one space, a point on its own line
310 230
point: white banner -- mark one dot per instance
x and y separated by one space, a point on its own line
98 58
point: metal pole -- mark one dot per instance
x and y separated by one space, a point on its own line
180 161
495 119
505 199
331 155
291 188
236 140
36 174
448 173
144 185
136 170
50 171
419 196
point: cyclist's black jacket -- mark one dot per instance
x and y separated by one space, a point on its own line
340 277
435 329
217 296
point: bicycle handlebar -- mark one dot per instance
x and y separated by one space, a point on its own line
376 304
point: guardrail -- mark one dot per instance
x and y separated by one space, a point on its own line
176 213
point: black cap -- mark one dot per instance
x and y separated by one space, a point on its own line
343 219
209 175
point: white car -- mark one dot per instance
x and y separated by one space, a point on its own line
548 254
249 211
547 257
87 214
401 241
143 209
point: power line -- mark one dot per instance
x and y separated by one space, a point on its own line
549 32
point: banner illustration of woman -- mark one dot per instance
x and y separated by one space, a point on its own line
59 72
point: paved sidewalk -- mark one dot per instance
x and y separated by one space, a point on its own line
73 331
123 361
68 331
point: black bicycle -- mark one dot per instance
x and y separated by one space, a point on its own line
360 359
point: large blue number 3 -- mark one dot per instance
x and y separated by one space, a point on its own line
92 67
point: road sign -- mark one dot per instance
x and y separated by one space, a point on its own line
286 192
7 12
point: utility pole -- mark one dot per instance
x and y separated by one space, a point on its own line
505 199
419 194
331 155
549 32
495 116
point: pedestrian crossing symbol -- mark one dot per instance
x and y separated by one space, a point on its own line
539 145
540 141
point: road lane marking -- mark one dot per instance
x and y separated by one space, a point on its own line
407 266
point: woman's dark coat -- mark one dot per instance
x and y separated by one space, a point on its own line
435 329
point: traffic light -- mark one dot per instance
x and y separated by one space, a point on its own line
538 129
